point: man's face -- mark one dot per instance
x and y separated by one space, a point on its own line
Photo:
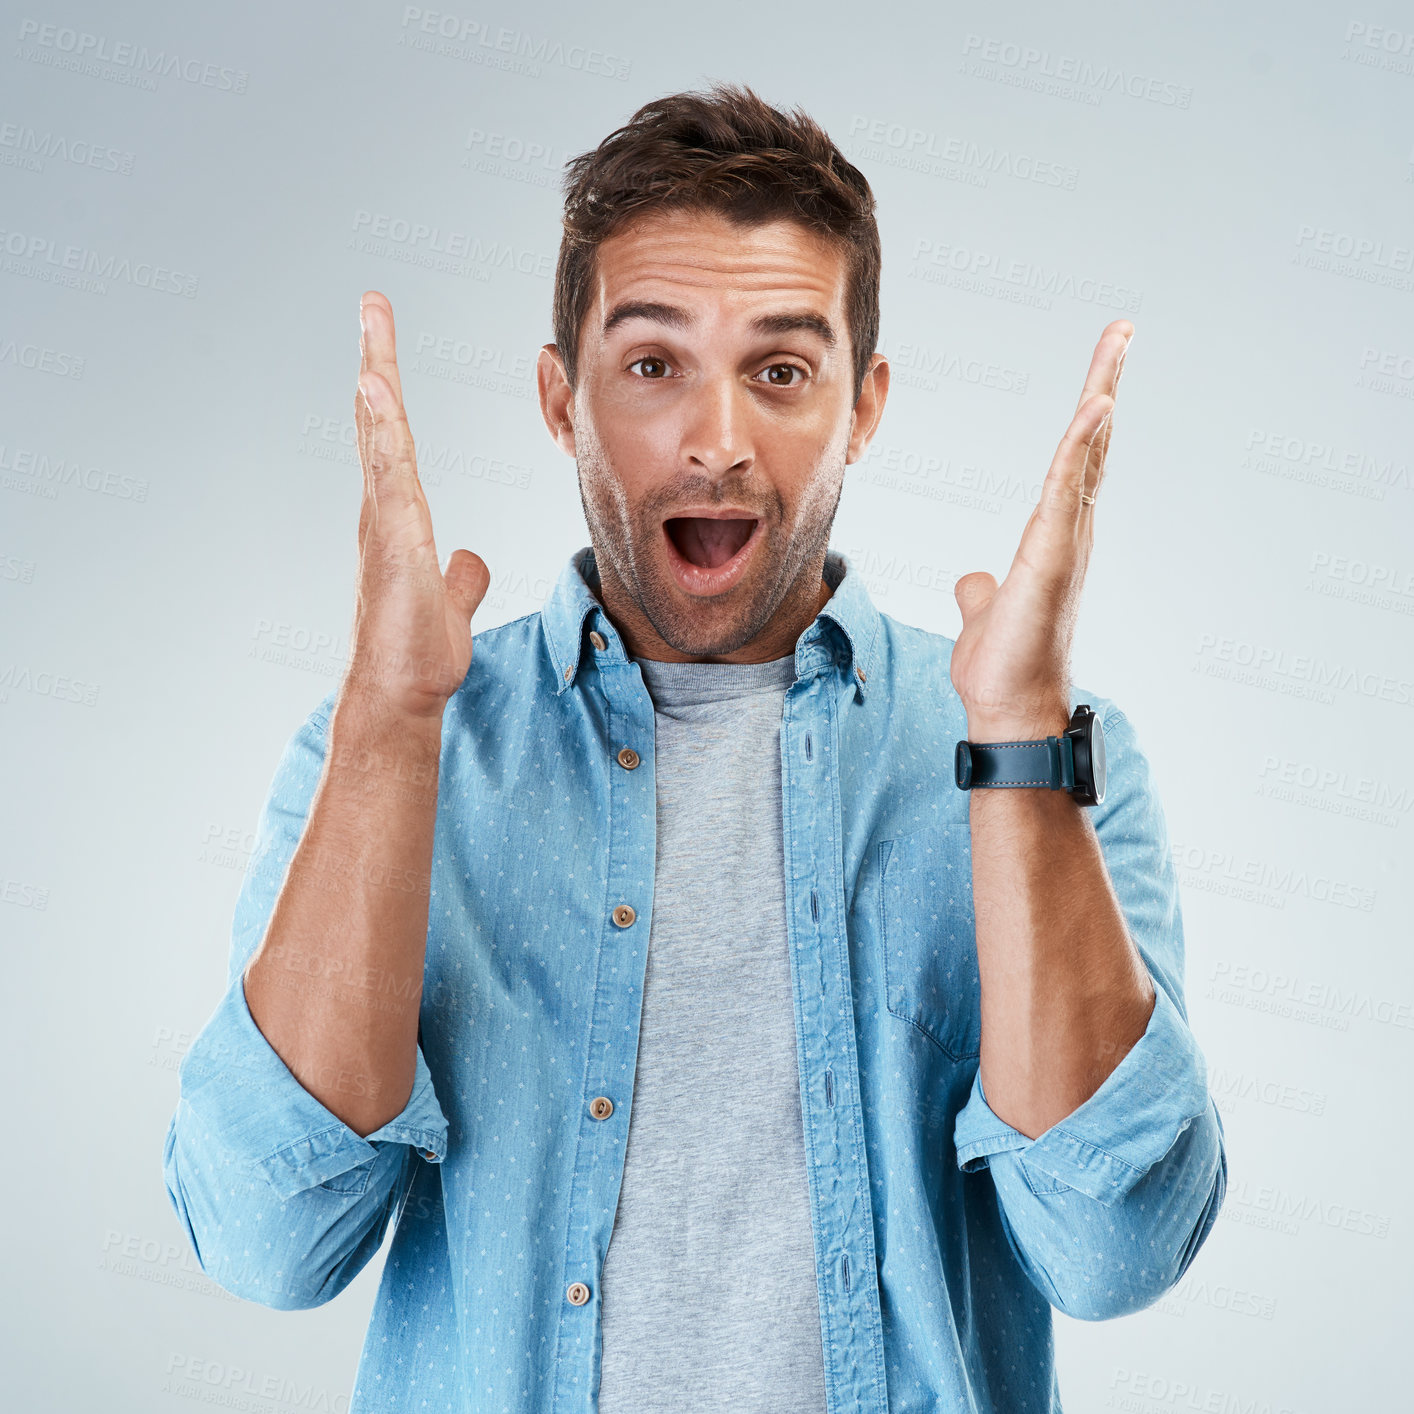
712 421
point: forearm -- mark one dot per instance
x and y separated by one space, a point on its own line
336 984
1065 993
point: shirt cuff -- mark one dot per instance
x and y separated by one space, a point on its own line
1110 1142
236 1082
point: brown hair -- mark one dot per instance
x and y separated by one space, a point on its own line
728 151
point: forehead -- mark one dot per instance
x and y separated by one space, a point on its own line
709 264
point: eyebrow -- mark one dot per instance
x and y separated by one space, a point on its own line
675 317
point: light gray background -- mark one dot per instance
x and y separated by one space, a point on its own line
179 497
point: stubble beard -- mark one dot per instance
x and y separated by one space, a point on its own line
626 544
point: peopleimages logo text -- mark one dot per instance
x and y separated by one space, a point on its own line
461 37
84 48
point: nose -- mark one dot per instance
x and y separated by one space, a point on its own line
716 434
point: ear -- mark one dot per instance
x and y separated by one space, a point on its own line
556 397
869 407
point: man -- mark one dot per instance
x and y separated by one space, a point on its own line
645 967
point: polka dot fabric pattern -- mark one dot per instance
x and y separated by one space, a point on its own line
944 1239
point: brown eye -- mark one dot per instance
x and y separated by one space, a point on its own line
650 359
783 368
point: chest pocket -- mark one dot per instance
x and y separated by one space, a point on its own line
929 938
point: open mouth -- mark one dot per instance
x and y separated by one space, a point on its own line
706 543
708 555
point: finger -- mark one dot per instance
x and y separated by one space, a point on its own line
390 471
377 353
380 340
467 580
1106 368
1095 464
1100 445
363 424
973 592
1050 544
1107 362
363 421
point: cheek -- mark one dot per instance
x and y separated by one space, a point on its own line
610 468
638 444
808 476
628 439
818 503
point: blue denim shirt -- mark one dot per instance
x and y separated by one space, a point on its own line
944 1238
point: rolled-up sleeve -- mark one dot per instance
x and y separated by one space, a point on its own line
1108 1207
283 1202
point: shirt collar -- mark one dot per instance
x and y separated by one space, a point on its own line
845 632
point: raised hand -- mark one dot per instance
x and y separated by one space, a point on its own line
1011 661
412 624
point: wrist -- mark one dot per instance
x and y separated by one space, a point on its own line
371 730
371 711
1032 725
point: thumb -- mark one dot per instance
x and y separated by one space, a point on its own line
974 592
467 580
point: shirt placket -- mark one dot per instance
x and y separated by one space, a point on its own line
840 1204
620 964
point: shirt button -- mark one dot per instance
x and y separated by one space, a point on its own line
628 758
427 1154
601 1107
578 1293
859 673
569 673
624 915
597 639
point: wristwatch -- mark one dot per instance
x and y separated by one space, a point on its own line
1073 762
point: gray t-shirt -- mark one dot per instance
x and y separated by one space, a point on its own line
709 1298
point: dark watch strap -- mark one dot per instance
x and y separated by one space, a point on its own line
1049 762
